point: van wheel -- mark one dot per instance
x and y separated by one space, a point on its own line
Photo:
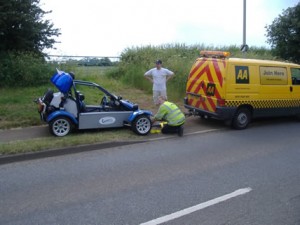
241 119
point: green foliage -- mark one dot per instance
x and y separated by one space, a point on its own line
17 108
179 58
176 57
94 62
23 36
284 34
22 27
23 69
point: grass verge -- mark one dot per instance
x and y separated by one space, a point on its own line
74 139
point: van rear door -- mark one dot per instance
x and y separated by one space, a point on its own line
205 85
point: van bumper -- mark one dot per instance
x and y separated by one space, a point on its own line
222 113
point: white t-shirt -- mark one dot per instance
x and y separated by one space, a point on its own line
159 78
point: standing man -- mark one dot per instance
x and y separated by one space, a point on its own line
159 77
170 113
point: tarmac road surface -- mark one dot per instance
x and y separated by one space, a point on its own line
224 177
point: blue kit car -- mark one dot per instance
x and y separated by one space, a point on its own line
66 109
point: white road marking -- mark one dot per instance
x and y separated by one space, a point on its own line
195 208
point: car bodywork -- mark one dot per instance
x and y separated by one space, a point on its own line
66 110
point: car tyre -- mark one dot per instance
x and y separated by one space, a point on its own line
60 126
141 125
241 119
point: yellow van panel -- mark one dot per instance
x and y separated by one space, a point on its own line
259 83
217 87
270 75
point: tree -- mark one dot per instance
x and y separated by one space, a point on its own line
105 62
284 34
22 27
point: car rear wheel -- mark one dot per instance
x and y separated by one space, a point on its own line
60 126
141 125
241 119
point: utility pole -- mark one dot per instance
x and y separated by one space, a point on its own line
244 47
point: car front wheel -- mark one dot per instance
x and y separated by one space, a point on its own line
141 125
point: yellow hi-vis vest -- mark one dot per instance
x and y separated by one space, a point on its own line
169 112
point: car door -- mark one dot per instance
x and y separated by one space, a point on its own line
92 120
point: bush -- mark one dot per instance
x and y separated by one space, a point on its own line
135 62
24 69
179 58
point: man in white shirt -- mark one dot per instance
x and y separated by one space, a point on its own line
159 77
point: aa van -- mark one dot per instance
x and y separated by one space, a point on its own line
236 90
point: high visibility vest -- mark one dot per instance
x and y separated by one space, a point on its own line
169 112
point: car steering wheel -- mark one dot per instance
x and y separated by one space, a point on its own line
104 101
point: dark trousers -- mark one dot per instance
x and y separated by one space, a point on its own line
167 129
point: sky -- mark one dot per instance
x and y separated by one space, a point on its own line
108 27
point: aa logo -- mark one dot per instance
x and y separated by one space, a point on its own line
210 90
242 75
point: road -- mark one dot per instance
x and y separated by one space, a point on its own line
220 177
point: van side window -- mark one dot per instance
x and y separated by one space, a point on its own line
295 76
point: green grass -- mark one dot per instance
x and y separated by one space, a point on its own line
17 108
74 139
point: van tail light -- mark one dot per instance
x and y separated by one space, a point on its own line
221 102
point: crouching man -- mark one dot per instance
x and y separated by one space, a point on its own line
170 113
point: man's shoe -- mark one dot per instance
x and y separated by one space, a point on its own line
180 131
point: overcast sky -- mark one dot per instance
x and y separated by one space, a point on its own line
107 27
